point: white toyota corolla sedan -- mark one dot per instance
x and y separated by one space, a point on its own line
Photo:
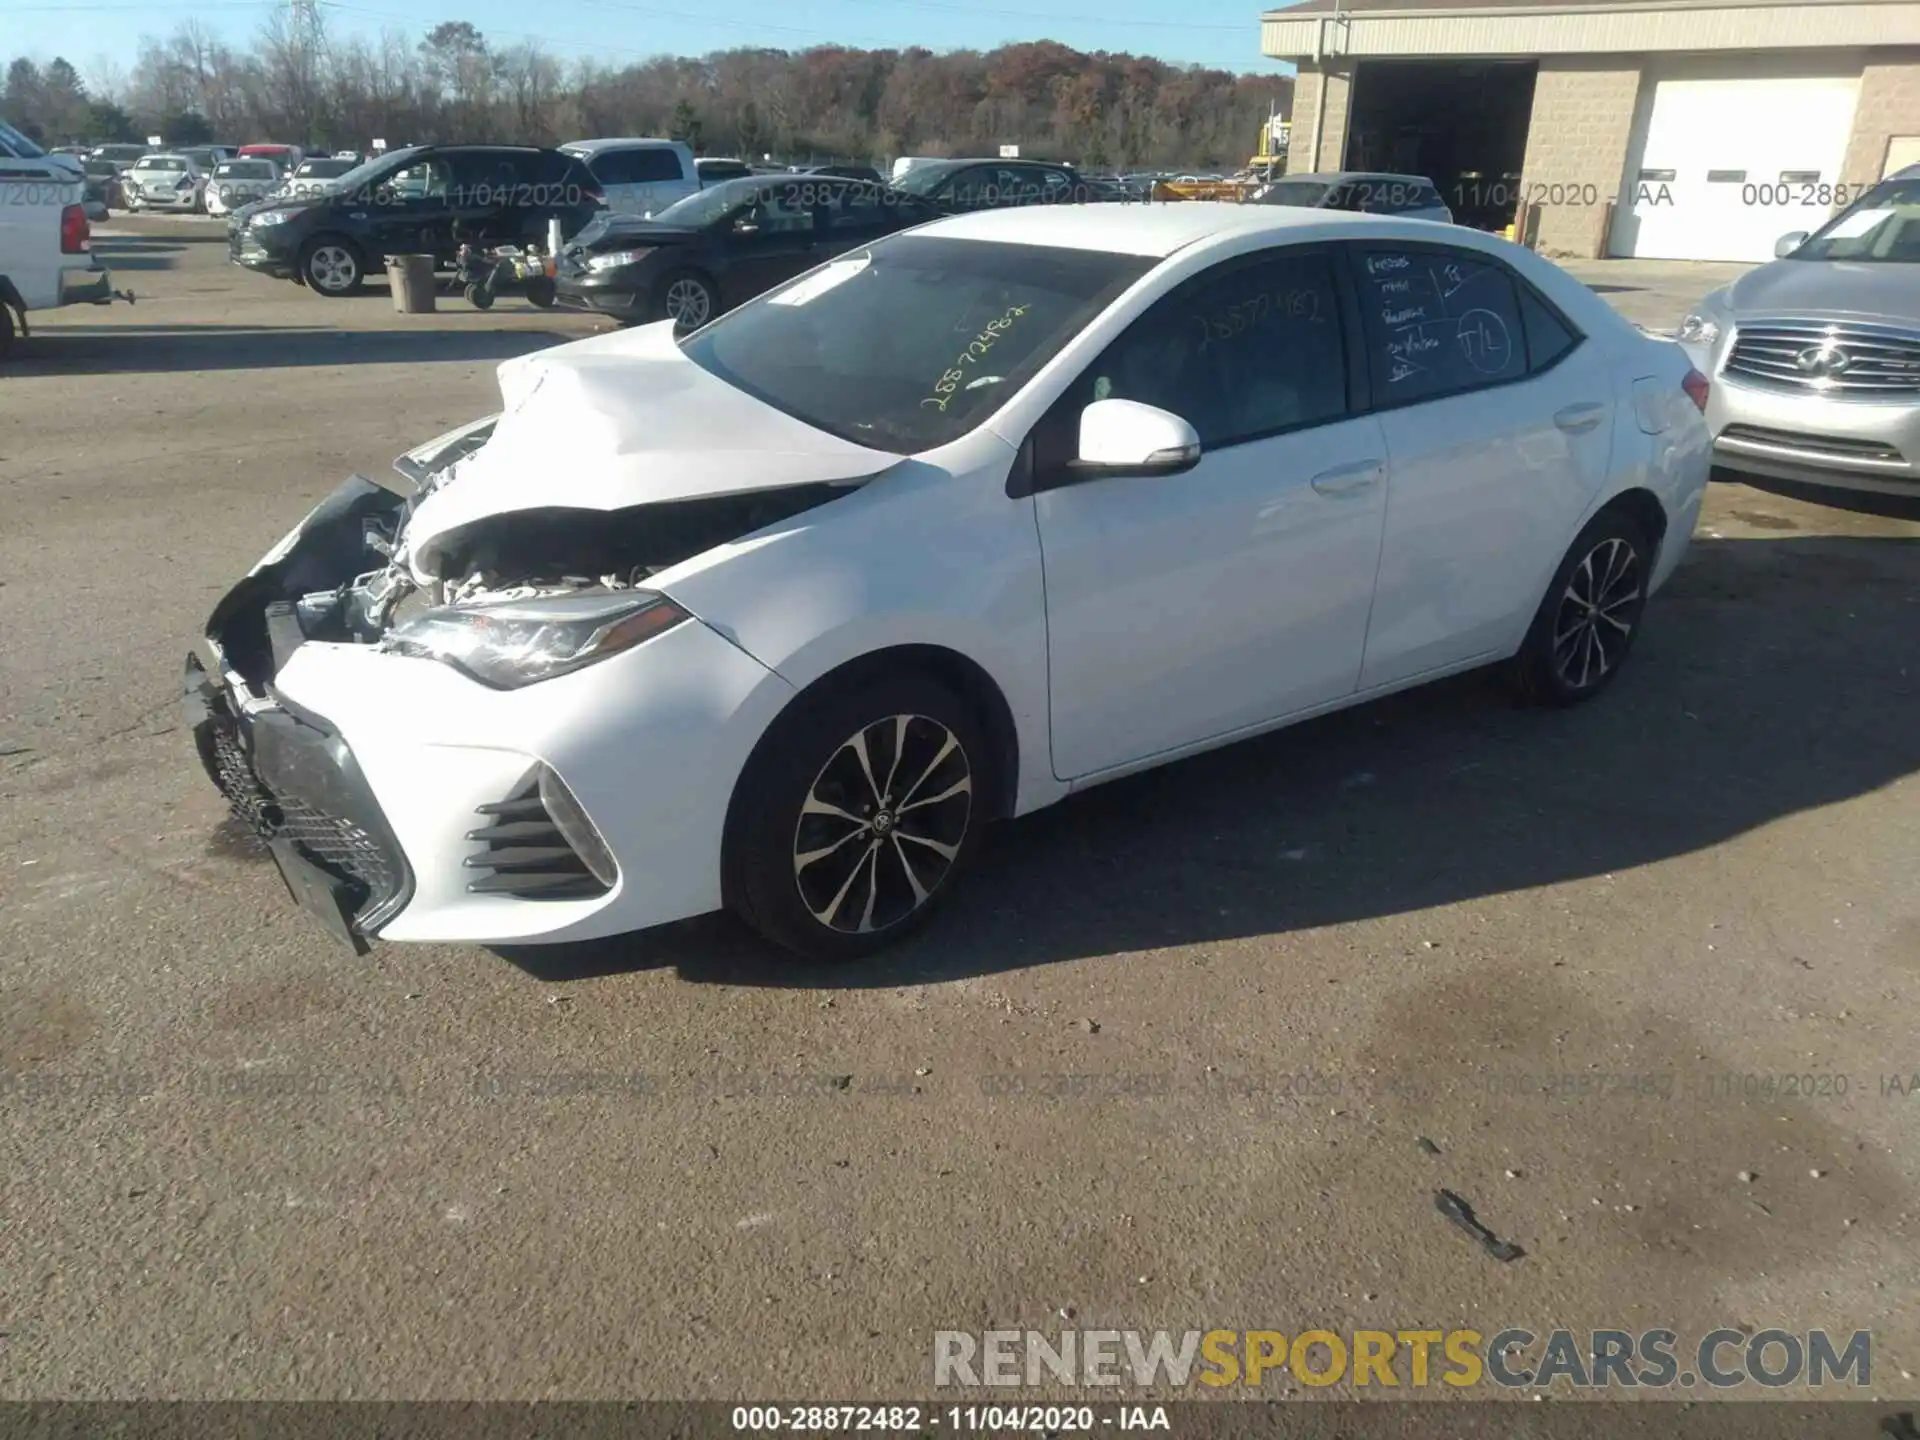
779 615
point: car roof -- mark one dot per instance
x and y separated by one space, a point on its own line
1330 177
1158 230
636 142
168 155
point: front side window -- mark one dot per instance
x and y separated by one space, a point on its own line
915 340
1437 322
781 210
1251 348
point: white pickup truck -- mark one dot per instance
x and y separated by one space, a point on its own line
46 245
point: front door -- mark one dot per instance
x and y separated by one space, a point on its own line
1499 429
1184 607
772 240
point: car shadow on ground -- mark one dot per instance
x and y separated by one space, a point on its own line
136 253
133 349
1774 676
1859 502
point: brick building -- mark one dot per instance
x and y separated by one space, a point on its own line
1693 129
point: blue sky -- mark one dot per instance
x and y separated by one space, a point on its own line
1213 32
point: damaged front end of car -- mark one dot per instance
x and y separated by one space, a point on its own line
507 598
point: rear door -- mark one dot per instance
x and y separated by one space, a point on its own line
1499 432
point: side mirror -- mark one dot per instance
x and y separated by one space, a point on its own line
1789 243
1124 437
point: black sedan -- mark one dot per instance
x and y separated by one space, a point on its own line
724 245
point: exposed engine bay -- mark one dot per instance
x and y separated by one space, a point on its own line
349 575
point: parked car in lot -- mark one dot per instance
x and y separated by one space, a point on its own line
164 182
962 185
717 170
639 176
1815 358
1364 192
207 157
103 184
122 154
426 199
724 245
235 183
287 157
779 615
311 178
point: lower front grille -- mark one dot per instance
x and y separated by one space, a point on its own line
525 854
334 843
1834 447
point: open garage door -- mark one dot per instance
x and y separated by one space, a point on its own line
1724 165
1460 123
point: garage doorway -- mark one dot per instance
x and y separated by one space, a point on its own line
1462 124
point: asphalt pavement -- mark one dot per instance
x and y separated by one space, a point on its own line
1168 1060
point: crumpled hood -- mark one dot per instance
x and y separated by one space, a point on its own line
1884 290
624 420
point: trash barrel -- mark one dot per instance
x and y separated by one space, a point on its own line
411 279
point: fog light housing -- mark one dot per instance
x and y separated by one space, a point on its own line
570 819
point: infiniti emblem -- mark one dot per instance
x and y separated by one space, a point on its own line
1822 361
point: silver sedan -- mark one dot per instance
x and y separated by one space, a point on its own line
1815 358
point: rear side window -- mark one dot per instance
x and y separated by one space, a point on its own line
636 167
1438 322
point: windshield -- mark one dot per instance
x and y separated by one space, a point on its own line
703 207
914 341
1882 225
323 169
20 145
244 170
164 162
374 170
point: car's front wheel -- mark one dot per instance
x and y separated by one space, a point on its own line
1586 625
854 815
687 298
331 267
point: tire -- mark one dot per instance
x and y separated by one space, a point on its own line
540 292
331 266
479 297
687 298
1587 623
807 834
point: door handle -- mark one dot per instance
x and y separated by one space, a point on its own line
1348 479
1577 419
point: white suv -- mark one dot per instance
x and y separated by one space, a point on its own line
640 176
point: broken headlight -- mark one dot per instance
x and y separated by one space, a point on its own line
518 642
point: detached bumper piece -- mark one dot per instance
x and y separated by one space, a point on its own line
293 782
534 853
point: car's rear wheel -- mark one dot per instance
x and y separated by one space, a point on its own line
854 815
687 298
1587 623
540 292
331 266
